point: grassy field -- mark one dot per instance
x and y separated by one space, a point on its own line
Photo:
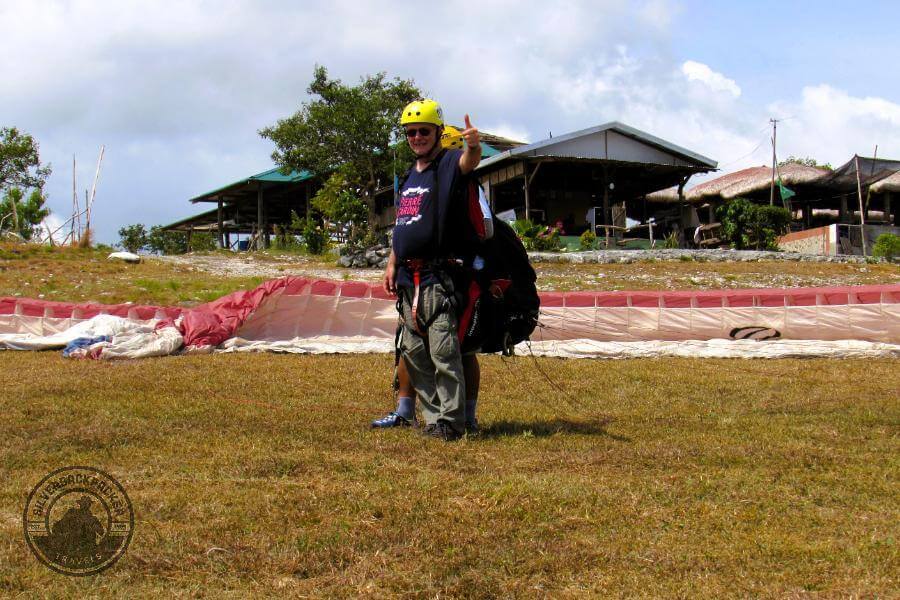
257 475
86 275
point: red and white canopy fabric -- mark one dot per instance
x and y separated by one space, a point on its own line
318 316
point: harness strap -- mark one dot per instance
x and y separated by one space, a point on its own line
417 281
417 266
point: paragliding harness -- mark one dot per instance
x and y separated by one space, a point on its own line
494 294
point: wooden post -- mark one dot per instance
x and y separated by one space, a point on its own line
90 203
682 218
862 211
190 238
260 217
75 210
887 210
525 186
306 216
220 225
606 219
774 164
842 216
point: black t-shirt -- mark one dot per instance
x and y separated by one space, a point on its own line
421 218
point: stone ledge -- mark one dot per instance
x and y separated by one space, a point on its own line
719 255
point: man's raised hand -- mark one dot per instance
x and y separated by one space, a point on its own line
470 134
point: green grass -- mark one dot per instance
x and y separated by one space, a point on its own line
257 475
662 478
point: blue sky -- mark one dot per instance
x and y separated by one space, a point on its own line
177 91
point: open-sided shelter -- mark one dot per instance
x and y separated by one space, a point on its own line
609 168
249 205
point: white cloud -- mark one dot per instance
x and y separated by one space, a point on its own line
178 92
696 71
831 125
508 131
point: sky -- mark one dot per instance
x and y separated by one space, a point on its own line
177 91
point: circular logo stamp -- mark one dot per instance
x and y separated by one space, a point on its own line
78 521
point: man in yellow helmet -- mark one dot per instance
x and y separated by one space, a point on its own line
424 245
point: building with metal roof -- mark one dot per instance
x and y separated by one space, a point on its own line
610 168
265 198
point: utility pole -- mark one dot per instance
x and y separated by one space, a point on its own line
774 123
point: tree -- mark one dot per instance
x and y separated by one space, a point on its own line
341 205
20 169
166 242
23 218
133 238
354 128
805 161
751 226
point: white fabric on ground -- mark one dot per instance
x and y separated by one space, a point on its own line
720 348
130 338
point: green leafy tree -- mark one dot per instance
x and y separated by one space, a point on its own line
133 238
315 237
805 161
166 242
203 241
22 217
887 246
339 204
21 169
749 226
354 128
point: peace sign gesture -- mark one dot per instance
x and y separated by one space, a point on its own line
470 134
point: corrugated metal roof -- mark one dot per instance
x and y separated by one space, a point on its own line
535 148
275 175
271 176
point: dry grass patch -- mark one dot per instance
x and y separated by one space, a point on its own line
258 475
84 275
688 275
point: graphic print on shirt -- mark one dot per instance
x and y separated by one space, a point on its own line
410 209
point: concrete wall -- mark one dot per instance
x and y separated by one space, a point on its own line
821 240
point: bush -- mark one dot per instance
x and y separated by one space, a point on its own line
315 237
751 226
203 241
133 237
166 242
588 240
671 240
887 246
537 237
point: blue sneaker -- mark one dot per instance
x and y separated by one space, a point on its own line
393 420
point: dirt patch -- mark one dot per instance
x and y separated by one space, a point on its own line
270 266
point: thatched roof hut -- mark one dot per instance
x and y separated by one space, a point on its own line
888 184
666 196
753 181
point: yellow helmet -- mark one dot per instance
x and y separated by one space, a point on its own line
452 138
423 111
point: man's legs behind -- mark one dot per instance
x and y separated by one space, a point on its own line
405 413
434 361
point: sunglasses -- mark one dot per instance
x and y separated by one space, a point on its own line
422 131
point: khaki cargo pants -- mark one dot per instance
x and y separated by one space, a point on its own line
434 361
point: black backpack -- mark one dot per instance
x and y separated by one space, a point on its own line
501 303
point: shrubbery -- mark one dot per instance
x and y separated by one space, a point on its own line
135 238
749 226
887 246
588 240
537 237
